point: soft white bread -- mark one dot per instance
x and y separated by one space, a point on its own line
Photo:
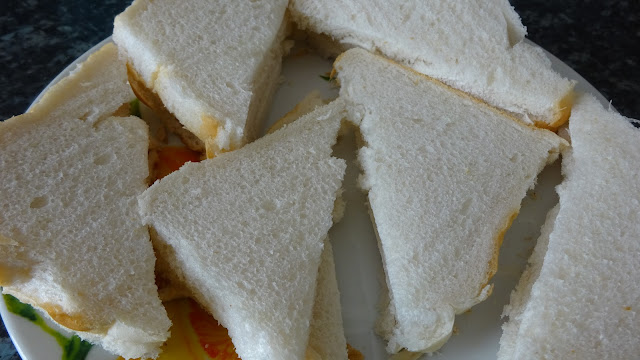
310 102
445 175
71 237
93 91
583 300
326 336
473 46
214 64
73 244
169 286
326 332
522 293
244 231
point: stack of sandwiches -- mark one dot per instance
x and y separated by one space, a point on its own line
454 124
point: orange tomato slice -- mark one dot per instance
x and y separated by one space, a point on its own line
171 158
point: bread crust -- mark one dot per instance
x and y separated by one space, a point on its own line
493 262
76 322
563 109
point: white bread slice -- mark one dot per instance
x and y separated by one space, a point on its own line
584 301
522 293
76 248
326 335
473 46
214 64
169 286
244 231
326 332
74 245
445 175
93 91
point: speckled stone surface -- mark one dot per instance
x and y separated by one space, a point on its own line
38 39
599 39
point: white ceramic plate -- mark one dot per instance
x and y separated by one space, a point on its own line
358 264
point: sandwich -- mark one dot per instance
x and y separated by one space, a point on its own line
445 176
71 236
473 46
579 297
326 334
213 65
244 232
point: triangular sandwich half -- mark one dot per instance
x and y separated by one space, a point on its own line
213 64
474 46
71 238
579 299
445 175
244 231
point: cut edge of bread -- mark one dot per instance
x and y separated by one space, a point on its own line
520 295
562 109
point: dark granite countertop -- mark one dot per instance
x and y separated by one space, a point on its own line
39 39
